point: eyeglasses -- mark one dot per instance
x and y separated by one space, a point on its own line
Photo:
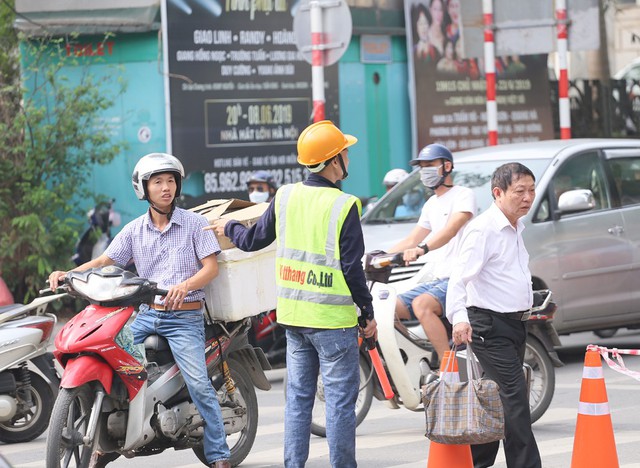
256 189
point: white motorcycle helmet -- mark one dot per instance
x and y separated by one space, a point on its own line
155 163
393 177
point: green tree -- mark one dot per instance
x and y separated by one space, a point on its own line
50 140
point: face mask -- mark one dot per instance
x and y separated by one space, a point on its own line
258 197
430 178
411 199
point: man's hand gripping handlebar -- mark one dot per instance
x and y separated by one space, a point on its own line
379 264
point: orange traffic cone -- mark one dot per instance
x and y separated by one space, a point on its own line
445 455
594 444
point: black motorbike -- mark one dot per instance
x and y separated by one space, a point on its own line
97 237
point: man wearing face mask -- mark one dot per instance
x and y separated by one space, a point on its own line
320 281
438 231
261 187
412 203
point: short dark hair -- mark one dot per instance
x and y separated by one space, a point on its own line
503 176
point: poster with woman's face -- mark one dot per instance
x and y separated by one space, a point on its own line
449 105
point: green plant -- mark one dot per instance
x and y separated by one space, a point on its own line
51 137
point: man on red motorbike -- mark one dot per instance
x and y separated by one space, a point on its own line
169 246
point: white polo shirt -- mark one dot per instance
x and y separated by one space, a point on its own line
435 216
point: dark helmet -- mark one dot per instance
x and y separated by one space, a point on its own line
431 153
263 176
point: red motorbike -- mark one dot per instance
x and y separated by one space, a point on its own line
112 403
268 335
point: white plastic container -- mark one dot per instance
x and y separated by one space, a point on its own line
245 285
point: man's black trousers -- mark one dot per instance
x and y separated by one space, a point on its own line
499 344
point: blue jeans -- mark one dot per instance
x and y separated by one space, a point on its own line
335 354
184 330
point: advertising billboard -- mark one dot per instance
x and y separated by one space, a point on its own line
449 91
239 91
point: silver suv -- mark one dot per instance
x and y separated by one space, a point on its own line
582 233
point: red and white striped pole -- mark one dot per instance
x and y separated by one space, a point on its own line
317 60
490 72
563 82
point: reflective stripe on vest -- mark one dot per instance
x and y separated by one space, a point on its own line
312 291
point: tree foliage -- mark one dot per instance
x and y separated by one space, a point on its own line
50 139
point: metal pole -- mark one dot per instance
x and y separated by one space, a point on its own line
563 83
490 72
165 76
317 60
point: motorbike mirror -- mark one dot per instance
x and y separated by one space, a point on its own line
543 305
541 299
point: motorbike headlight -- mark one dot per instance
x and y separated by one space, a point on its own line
103 289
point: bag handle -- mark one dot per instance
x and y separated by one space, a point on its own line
441 388
473 370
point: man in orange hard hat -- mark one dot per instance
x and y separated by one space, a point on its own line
320 282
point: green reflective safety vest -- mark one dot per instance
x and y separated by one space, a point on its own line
312 291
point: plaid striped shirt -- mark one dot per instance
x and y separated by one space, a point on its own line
168 257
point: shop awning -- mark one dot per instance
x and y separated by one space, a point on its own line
46 17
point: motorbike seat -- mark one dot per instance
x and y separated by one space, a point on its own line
156 343
9 308
12 312
411 323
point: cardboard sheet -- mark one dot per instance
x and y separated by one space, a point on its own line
243 211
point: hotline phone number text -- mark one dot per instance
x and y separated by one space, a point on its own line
236 181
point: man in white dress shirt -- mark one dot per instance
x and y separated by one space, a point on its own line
489 295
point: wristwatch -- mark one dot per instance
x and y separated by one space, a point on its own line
423 246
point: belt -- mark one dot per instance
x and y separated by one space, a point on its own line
197 305
522 316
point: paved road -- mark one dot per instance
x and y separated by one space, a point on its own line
394 438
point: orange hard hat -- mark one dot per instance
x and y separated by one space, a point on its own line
321 141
